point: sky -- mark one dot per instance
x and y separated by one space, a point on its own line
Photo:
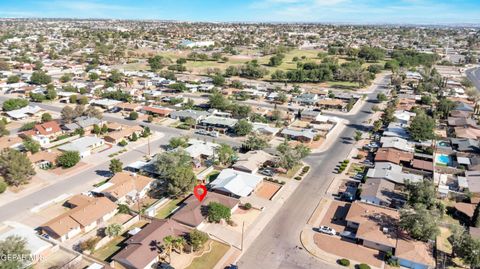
322 11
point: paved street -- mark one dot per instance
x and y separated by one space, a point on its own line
276 247
474 76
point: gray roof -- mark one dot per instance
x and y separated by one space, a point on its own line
189 113
82 122
465 144
298 133
380 188
219 121
82 144
392 172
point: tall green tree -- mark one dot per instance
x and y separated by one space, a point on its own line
226 154
15 167
419 222
115 166
422 126
14 246
175 168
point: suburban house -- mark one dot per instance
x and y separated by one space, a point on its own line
402 116
192 212
196 115
50 129
105 103
392 172
127 187
221 123
376 227
396 129
393 155
306 99
44 159
39 248
264 129
124 133
83 122
13 142
156 110
24 112
397 143
251 161
302 135
414 254
86 214
235 183
84 145
142 249
379 192
199 150
128 107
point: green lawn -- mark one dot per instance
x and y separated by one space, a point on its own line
108 250
343 85
212 176
210 259
292 172
166 209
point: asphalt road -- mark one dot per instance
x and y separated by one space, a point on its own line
277 246
474 76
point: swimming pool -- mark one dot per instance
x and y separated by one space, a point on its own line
443 159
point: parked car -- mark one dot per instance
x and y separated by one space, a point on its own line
348 234
266 172
213 134
358 176
326 230
347 196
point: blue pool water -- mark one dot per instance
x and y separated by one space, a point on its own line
443 159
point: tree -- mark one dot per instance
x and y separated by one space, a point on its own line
426 100
466 247
282 98
419 222
68 114
382 97
217 211
357 136
13 104
73 99
93 112
168 244
15 167
113 229
40 78
175 167
31 145
93 76
291 156
444 107
243 127
116 166
46 117
218 80
79 131
68 159
276 60
217 100
179 243
14 246
96 129
176 142
422 126
197 239
13 79
133 115
134 137
156 62
65 78
422 192
226 154
3 129
377 125
37 97
255 142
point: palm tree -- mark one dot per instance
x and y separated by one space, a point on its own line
178 243
168 242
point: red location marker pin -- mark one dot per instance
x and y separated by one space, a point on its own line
200 191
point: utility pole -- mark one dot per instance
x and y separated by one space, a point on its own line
243 231
148 139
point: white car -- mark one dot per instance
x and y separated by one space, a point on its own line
327 230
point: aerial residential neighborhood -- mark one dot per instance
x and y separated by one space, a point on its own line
219 140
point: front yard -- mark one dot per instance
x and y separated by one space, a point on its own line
210 259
